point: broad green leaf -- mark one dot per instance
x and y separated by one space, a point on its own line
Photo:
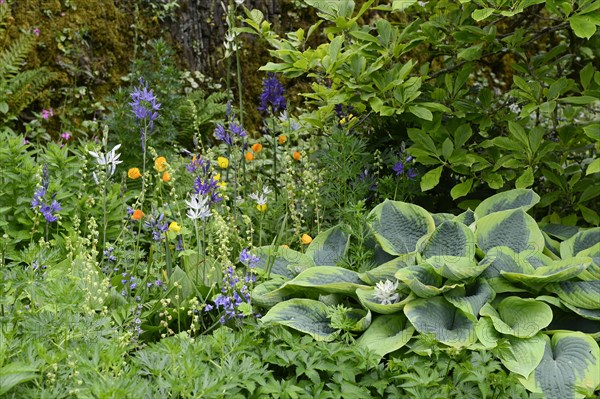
328 247
461 189
583 294
471 53
440 218
186 290
486 333
450 238
512 228
361 317
471 299
369 301
522 318
431 178
281 260
581 241
270 292
386 271
557 271
523 355
421 112
583 26
504 259
525 180
13 374
458 268
327 279
423 280
397 226
480 15
466 218
512 199
592 272
439 317
305 315
386 334
570 367
591 314
579 100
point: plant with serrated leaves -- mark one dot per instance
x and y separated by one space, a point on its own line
488 278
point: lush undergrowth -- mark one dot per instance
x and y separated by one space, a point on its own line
424 225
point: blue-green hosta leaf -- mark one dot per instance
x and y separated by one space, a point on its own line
522 318
387 271
369 301
305 315
583 294
512 199
512 228
362 318
269 293
592 273
397 226
570 367
557 271
423 280
560 231
328 279
386 334
503 259
471 299
486 333
439 317
591 314
579 242
329 246
450 238
552 246
281 260
439 218
458 268
523 355
466 218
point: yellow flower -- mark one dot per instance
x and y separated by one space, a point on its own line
160 164
306 239
282 139
249 156
297 155
166 177
217 177
223 162
343 121
174 227
257 148
261 207
134 173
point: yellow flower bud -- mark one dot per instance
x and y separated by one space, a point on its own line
261 207
160 164
223 162
174 227
134 173
306 239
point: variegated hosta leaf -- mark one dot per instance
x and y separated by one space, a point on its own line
591 314
423 280
328 279
437 316
450 238
503 259
471 300
329 247
269 293
362 317
592 273
522 318
439 218
486 333
281 260
579 242
397 226
583 294
570 367
369 301
467 217
562 270
512 199
387 271
458 268
512 228
305 315
523 355
386 334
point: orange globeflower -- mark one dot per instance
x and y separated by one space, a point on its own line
134 173
249 156
160 164
306 239
282 139
297 155
166 177
257 147
137 214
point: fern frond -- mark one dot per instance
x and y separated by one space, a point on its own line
13 57
197 112
24 88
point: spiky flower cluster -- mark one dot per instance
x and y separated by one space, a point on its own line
158 226
46 208
145 107
232 132
271 99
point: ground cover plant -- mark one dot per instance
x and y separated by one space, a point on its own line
419 222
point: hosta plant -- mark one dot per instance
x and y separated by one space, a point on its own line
490 278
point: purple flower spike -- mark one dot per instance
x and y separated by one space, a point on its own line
271 98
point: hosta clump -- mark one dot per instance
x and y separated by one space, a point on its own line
490 278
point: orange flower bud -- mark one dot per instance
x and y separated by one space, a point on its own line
134 173
137 214
306 239
257 147
296 155
160 164
249 156
282 139
166 177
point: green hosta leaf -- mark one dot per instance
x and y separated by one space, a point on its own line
270 293
583 294
423 280
522 318
486 333
328 247
522 356
362 318
593 270
327 279
591 314
440 218
570 367
439 317
512 228
458 268
398 226
386 334
470 300
555 272
512 199
431 178
386 271
450 238
369 301
281 260
466 218
581 241
14 374
305 315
